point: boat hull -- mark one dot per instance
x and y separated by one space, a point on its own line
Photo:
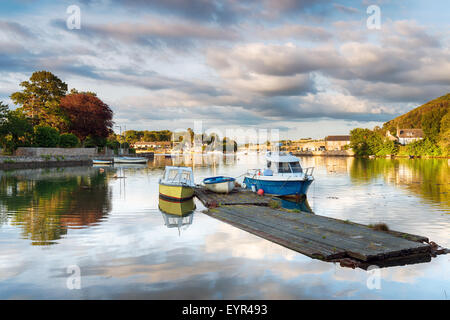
219 184
279 187
175 193
130 160
101 161
221 187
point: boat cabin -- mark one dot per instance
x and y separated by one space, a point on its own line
282 163
178 176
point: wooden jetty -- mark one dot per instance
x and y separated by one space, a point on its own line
237 196
319 237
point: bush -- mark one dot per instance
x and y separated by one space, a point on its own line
68 140
424 147
46 137
91 142
113 144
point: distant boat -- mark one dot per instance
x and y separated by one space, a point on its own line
283 176
130 160
100 161
176 184
220 184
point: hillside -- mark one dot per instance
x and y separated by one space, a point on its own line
413 119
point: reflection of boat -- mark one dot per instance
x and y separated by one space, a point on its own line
173 221
100 161
285 178
177 184
219 184
179 208
130 160
301 205
177 214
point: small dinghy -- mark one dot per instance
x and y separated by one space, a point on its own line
100 161
220 184
130 160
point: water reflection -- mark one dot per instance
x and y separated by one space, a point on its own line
427 178
177 214
125 248
45 203
301 205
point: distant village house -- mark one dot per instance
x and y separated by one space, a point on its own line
406 136
157 145
334 143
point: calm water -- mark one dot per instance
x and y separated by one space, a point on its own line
113 231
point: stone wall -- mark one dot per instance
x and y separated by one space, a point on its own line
37 152
328 153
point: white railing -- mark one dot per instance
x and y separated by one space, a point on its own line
309 171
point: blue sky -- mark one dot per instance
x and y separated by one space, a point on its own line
309 68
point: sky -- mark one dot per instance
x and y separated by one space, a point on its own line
309 68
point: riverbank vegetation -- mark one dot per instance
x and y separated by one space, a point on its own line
434 120
49 116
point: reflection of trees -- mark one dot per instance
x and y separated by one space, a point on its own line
426 177
44 209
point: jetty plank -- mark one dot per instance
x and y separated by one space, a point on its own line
237 196
317 236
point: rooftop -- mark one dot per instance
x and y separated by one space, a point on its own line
337 138
410 133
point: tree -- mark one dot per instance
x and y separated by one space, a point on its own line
431 123
366 142
87 115
444 135
68 140
15 129
40 98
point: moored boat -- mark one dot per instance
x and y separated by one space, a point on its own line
282 176
219 184
101 161
176 184
130 160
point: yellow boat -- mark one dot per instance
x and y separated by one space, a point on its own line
177 184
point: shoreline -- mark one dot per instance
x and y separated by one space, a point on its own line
26 162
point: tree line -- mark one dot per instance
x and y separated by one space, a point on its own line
436 142
49 116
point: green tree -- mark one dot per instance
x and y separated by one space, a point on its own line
68 140
431 123
95 141
47 137
40 98
15 129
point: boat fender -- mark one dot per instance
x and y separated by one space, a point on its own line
244 186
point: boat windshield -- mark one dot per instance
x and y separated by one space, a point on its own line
289 167
177 176
296 168
283 167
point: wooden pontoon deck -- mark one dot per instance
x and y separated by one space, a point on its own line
319 237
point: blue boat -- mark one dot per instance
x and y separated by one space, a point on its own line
282 176
220 184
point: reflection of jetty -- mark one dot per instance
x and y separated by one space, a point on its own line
319 237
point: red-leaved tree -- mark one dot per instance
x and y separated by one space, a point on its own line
87 115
